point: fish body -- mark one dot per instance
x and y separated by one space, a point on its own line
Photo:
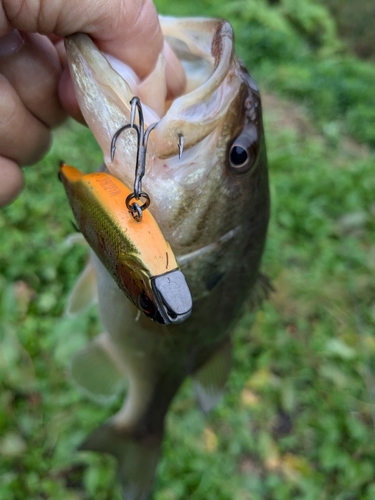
212 205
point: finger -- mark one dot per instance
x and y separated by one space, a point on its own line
11 181
54 38
126 29
60 48
68 96
31 64
69 100
115 24
66 89
176 73
23 138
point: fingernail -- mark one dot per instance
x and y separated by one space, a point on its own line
10 43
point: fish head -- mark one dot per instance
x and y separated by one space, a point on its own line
219 186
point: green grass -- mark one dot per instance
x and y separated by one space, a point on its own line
297 420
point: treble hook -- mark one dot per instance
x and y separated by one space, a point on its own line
140 168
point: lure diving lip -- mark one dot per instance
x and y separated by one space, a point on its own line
136 254
173 296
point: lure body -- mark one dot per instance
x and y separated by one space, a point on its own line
136 254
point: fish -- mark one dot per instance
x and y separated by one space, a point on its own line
206 175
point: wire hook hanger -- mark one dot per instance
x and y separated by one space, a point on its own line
142 140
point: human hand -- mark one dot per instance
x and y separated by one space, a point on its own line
35 87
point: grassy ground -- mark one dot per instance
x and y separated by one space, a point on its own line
298 418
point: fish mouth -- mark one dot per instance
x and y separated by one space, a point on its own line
105 86
172 297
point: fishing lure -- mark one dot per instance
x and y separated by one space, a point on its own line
128 240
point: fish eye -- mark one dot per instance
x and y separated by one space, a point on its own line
145 303
242 154
238 156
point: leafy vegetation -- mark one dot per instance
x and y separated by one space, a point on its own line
355 23
298 418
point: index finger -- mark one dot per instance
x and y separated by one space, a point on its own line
126 29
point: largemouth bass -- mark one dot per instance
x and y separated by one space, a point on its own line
212 205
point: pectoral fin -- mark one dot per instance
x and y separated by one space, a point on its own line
210 380
84 293
261 291
97 371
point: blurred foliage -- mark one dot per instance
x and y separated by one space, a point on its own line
355 22
298 418
292 47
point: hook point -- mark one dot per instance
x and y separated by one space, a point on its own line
113 150
181 142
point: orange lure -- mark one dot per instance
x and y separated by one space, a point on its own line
136 254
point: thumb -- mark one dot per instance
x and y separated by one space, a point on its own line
126 29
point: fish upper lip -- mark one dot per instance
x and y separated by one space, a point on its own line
172 296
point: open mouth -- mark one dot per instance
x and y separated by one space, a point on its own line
105 86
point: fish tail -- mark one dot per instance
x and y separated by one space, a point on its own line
137 457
